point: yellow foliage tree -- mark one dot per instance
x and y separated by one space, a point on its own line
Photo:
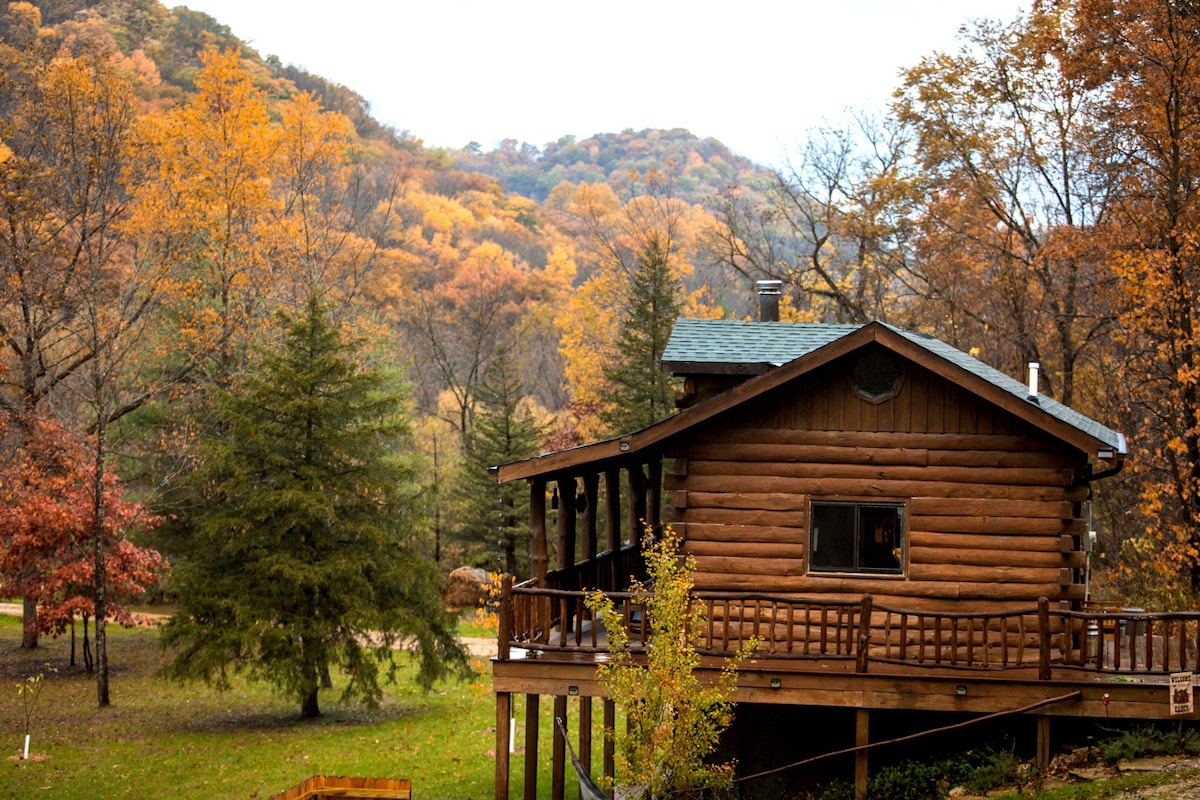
618 235
207 213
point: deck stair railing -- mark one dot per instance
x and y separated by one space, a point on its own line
1042 637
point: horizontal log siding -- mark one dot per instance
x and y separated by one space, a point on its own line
989 523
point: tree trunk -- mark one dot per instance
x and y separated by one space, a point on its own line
100 577
87 647
314 669
309 708
29 631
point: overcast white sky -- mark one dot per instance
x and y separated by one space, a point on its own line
755 74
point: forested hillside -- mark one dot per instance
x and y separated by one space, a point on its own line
168 195
703 167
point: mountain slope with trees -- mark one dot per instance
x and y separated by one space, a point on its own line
703 167
1029 197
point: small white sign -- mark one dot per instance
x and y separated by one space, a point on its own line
1181 693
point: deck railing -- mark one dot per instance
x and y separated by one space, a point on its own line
1040 638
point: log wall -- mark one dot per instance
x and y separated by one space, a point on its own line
992 507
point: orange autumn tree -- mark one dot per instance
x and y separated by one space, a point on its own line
636 253
1015 193
206 215
1144 57
472 272
64 194
336 203
48 536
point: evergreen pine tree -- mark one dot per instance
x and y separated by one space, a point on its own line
302 557
503 431
644 393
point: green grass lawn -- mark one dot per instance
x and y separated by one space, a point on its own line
160 739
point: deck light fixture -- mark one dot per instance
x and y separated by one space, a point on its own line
960 690
776 683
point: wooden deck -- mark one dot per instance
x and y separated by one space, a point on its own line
855 654
875 638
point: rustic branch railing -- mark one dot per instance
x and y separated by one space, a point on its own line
796 628
959 640
786 627
1125 642
607 571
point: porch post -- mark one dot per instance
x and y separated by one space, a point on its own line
654 496
612 527
505 626
591 494
612 496
862 737
538 558
566 556
503 714
566 521
637 503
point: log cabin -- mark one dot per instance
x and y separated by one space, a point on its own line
901 526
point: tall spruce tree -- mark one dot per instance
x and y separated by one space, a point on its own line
303 556
496 515
644 393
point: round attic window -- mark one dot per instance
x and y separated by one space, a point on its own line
877 376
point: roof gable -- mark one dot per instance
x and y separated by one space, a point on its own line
781 352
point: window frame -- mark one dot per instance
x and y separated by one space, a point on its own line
899 537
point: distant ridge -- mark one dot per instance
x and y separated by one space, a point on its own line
703 167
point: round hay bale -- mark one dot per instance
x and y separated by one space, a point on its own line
465 588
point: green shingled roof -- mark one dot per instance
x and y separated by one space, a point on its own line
722 345
731 341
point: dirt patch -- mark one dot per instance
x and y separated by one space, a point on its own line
32 757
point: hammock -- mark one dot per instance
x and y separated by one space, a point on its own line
588 789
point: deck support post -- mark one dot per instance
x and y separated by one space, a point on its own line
503 715
1043 744
531 747
585 735
610 723
558 763
862 737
